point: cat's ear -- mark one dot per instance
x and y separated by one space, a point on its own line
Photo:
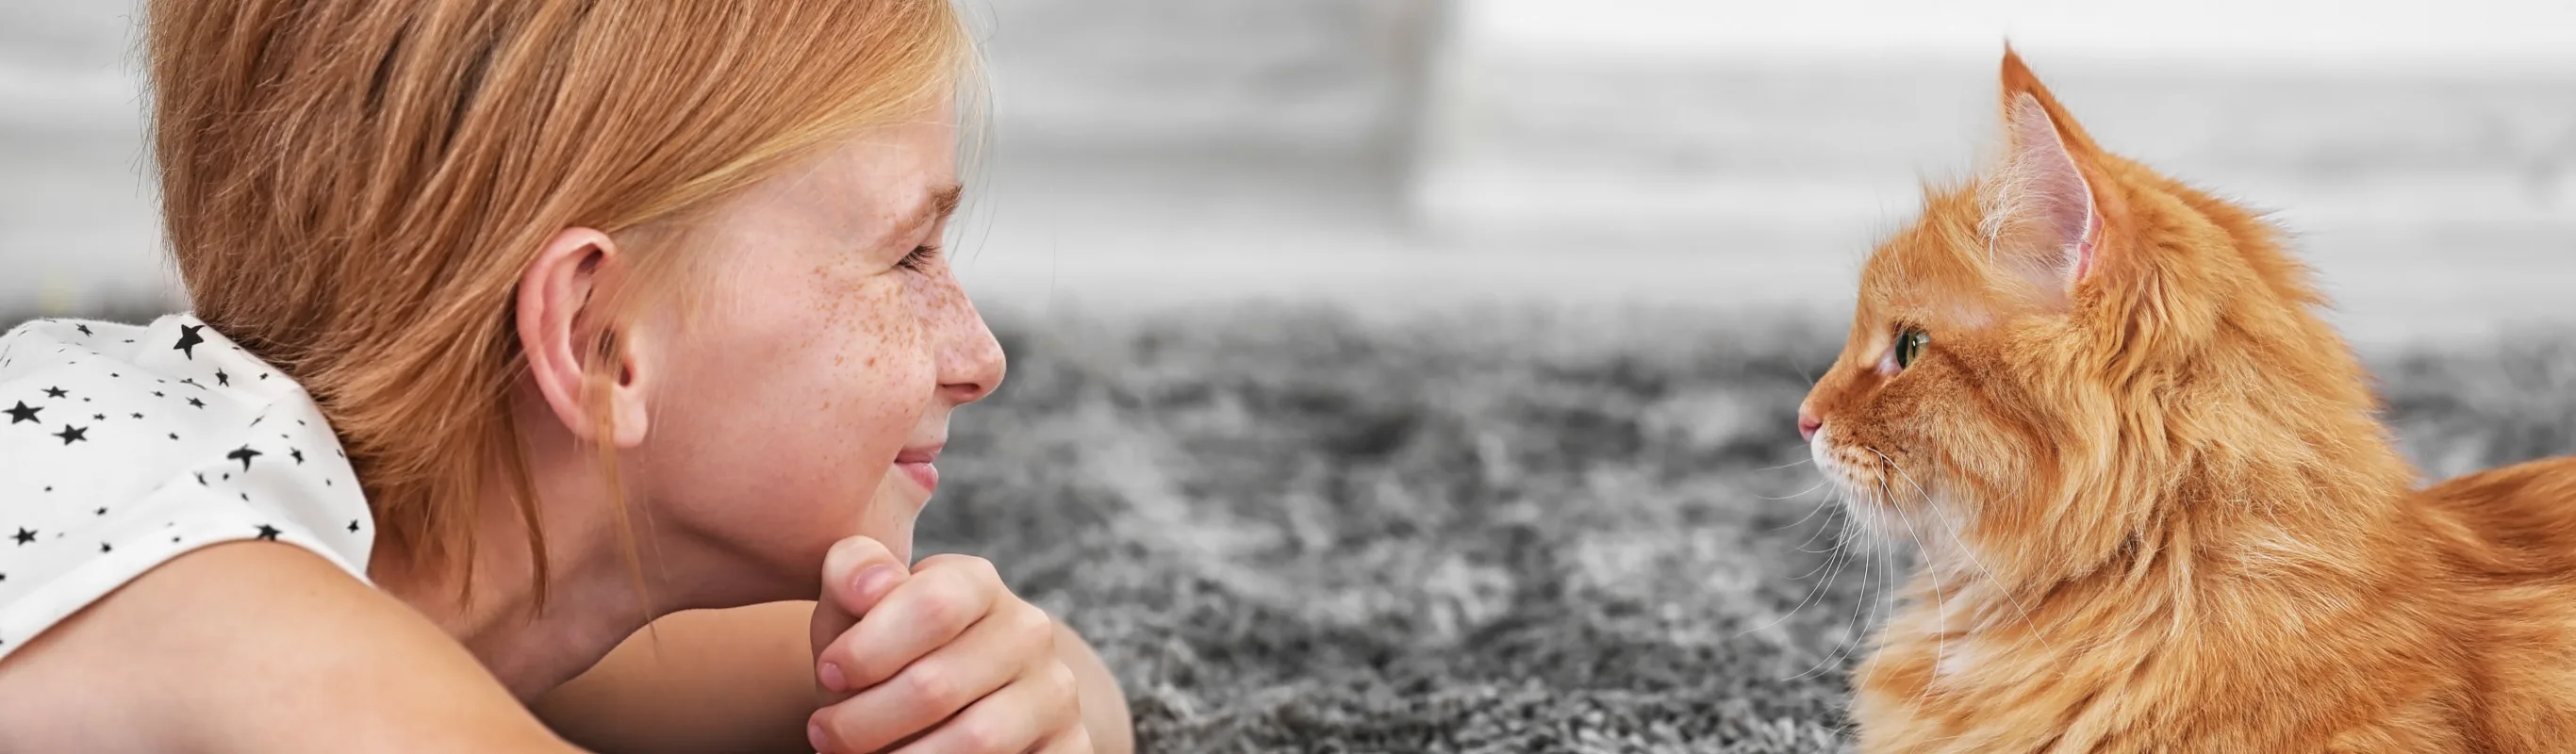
2042 219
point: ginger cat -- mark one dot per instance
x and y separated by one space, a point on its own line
2156 510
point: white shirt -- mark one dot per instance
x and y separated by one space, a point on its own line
122 447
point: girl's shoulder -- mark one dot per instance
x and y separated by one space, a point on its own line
124 446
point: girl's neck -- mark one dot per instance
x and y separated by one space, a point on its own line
591 599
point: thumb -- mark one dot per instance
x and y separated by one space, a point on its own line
857 573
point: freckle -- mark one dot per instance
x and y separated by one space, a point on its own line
872 361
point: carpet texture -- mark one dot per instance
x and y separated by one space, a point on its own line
1291 531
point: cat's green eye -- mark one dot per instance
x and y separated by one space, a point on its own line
1909 346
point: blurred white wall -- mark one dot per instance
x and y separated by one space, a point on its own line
2423 154
77 217
1400 154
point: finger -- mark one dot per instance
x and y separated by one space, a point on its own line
857 573
928 610
1011 720
1074 740
990 655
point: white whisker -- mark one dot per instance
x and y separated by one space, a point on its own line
1819 486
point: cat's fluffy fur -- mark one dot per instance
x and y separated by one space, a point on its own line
2156 508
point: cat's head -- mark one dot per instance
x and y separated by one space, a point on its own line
2037 362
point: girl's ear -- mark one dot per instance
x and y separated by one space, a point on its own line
589 371
2041 217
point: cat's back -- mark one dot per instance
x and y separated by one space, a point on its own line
2515 521
2510 537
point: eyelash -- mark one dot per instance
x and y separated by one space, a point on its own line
919 258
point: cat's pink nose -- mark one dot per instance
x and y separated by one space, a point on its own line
1808 423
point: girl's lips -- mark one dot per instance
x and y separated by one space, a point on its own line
915 462
922 474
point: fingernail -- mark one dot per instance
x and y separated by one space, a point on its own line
814 735
873 582
832 677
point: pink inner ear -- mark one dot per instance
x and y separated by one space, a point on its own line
2084 250
2045 195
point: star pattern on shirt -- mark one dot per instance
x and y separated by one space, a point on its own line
97 514
243 454
188 340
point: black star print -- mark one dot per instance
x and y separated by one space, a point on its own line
353 526
138 415
268 532
174 435
102 547
102 511
84 329
99 417
224 380
243 455
298 454
191 382
188 340
23 413
72 434
55 392
201 479
157 394
196 403
24 536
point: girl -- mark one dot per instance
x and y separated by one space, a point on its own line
519 327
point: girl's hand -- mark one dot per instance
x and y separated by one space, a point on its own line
938 658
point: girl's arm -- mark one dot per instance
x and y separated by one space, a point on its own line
743 680
255 647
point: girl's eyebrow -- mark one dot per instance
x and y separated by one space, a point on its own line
942 203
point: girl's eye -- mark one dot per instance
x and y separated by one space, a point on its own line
1909 346
919 258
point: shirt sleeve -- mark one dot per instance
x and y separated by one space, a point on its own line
111 465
